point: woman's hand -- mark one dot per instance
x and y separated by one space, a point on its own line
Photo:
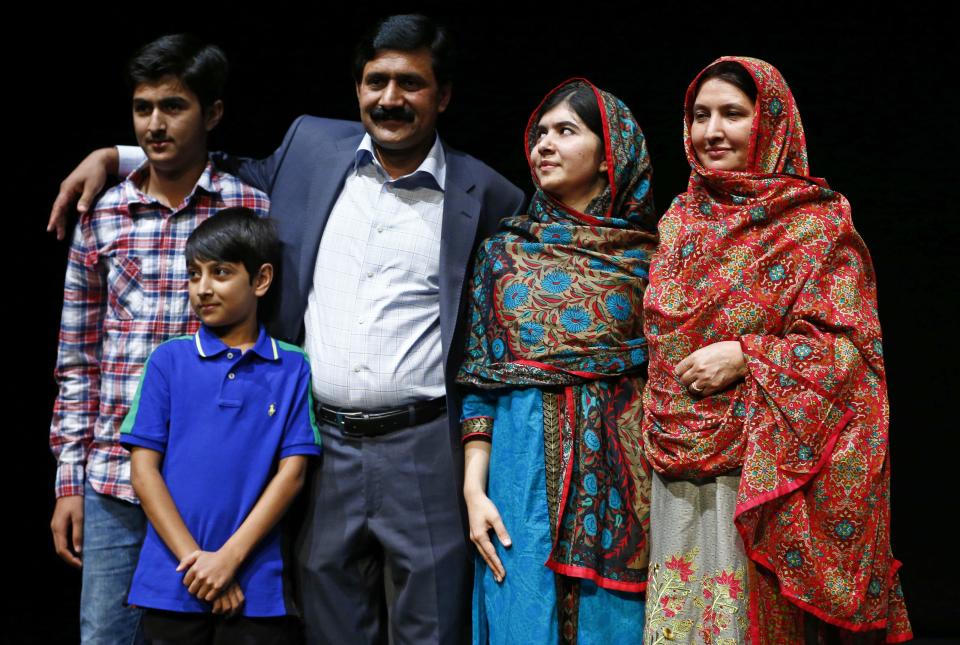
484 516
712 368
482 512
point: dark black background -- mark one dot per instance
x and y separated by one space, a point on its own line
881 123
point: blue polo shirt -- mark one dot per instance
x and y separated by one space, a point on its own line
222 419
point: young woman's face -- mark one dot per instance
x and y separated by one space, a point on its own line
720 129
568 158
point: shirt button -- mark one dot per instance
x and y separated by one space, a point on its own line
379 229
369 274
231 376
356 369
229 354
360 322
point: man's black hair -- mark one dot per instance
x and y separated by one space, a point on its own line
238 235
200 66
407 33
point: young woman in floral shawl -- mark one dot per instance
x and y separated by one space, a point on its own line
553 381
766 408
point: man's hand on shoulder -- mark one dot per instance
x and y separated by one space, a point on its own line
84 182
67 529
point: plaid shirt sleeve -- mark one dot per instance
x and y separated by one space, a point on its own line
78 361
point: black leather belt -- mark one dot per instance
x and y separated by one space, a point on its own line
356 423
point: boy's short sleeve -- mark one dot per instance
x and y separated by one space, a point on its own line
147 423
301 435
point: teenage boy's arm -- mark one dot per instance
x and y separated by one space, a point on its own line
78 399
209 572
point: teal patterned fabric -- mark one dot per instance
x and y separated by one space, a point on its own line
556 300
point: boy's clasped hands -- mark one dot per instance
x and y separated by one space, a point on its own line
210 577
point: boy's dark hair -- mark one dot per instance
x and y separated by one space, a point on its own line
200 66
407 33
238 235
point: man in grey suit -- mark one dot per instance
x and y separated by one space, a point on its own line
379 221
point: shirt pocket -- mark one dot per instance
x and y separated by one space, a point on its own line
124 286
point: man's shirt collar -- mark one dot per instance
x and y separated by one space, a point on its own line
209 344
432 172
209 182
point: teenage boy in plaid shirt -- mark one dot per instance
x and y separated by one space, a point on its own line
125 293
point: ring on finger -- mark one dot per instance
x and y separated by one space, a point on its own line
696 389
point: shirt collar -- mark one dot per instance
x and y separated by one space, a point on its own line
208 182
209 344
431 172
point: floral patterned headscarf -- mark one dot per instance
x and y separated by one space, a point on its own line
769 256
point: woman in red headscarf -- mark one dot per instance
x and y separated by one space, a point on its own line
765 410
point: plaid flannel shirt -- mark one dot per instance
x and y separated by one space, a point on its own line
124 293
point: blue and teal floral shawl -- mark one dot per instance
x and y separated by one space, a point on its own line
556 303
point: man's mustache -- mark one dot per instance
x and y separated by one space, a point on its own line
392 114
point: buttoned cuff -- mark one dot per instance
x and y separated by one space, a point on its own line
477 428
70 479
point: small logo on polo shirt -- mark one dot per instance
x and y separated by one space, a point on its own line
272 410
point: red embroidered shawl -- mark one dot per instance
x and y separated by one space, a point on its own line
769 256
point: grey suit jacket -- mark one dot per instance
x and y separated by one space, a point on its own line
304 177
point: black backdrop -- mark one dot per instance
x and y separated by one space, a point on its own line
881 126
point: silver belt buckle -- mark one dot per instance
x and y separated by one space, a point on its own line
342 423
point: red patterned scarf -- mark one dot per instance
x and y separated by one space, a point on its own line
769 257
556 300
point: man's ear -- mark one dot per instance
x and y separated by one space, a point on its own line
213 114
446 91
263 280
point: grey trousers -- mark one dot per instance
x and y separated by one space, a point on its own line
393 500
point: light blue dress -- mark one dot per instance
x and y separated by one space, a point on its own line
523 608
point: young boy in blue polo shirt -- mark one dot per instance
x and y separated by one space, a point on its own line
220 429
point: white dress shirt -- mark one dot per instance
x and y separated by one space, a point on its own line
373 315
